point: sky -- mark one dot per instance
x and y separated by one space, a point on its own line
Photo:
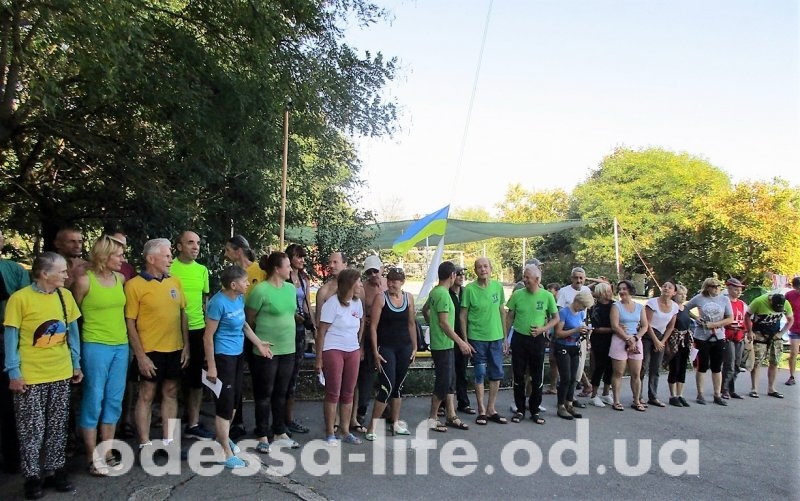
562 83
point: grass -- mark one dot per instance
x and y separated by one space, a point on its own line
784 363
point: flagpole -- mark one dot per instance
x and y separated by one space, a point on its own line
616 249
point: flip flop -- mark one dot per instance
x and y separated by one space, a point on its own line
775 394
482 420
497 418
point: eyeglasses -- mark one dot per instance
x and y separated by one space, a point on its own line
716 286
459 274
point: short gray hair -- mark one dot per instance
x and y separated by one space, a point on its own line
533 269
152 246
577 269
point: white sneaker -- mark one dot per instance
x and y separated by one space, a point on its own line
596 401
513 409
286 443
542 409
607 399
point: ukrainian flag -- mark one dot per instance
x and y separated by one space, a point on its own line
432 224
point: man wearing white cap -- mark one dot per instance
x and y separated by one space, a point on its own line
374 284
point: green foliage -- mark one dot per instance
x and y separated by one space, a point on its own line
158 115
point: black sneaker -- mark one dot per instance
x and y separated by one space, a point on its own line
683 401
59 481
296 427
719 401
675 402
33 488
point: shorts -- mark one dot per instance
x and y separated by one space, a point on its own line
772 352
168 366
617 350
193 373
444 373
710 355
230 370
490 355
794 335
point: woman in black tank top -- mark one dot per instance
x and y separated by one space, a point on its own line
394 343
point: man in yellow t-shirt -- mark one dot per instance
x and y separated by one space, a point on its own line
159 335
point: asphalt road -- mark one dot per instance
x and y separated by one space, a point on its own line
747 450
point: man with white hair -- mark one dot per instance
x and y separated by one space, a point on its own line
159 335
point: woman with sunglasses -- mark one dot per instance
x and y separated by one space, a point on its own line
629 323
714 312
104 346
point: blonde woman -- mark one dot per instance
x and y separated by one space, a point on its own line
714 313
104 347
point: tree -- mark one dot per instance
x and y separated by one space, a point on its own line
157 115
651 192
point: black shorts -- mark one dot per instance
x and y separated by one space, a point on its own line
168 366
193 373
230 370
444 373
710 355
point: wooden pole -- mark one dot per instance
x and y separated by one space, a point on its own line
285 170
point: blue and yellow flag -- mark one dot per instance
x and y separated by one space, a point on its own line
432 224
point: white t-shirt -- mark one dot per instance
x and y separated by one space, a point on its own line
345 322
567 294
660 320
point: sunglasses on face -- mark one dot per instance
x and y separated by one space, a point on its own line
372 272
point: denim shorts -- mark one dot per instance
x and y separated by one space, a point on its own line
489 353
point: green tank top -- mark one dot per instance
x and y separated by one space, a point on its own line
103 311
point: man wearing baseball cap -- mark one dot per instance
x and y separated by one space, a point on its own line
374 284
763 323
735 337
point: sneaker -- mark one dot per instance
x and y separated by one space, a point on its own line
234 448
726 395
683 401
332 441
33 488
675 402
542 409
596 401
790 381
232 463
286 442
579 405
607 399
719 401
700 400
742 369
197 432
58 481
296 427
513 409
736 396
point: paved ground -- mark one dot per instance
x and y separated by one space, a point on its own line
745 451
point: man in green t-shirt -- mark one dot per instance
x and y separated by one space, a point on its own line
443 339
194 280
481 319
532 312
763 323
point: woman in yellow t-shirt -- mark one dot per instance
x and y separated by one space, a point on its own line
42 357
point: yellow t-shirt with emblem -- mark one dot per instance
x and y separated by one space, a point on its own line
156 308
254 275
43 350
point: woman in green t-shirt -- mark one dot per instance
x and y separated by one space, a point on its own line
270 312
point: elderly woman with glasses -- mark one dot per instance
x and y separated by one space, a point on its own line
714 312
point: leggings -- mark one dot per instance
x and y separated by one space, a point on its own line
567 358
270 382
42 414
601 362
393 371
299 353
341 373
527 355
366 378
677 366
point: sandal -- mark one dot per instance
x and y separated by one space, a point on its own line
98 468
370 437
359 428
617 407
435 425
399 429
467 410
351 439
455 422
550 391
497 418
481 420
517 417
638 407
754 394
537 419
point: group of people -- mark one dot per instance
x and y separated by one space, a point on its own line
118 333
